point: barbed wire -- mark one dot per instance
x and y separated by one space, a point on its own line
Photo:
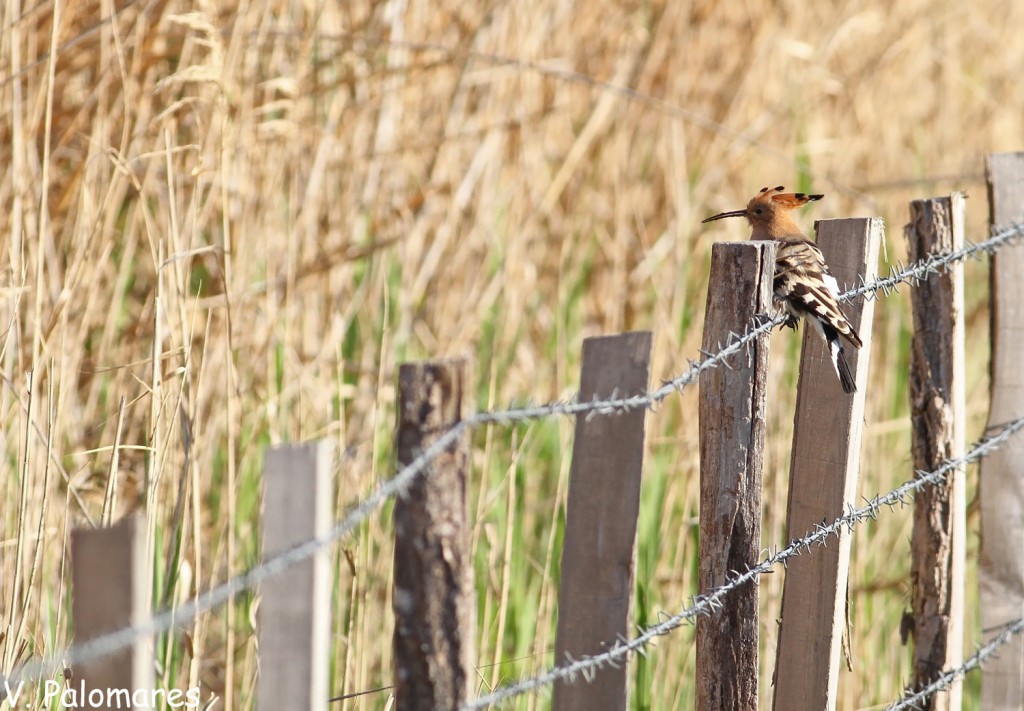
936 263
708 603
916 699
185 613
911 699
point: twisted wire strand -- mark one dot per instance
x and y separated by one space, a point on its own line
918 699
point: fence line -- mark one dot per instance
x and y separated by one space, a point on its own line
915 700
710 602
185 613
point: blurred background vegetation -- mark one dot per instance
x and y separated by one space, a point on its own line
235 219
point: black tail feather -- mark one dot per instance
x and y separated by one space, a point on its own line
845 376
835 348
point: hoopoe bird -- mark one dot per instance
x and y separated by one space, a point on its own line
802 283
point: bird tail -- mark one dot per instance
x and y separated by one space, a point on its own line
843 369
835 351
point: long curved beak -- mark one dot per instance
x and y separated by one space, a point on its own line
731 213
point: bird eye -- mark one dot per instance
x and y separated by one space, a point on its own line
758 210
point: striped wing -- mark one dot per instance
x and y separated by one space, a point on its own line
807 288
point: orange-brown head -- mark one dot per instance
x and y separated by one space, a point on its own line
768 213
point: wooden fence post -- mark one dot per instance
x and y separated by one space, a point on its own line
1001 566
732 430
937 405
601 516
111 591
294 612
433 600
824 470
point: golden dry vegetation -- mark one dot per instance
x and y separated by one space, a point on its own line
235 219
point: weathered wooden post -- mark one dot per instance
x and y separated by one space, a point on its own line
433 600
937 404
732 430
111 592
1001 567
824 470
601 516
295 607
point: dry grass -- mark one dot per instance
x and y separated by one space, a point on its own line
245 215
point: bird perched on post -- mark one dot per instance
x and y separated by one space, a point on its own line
802 280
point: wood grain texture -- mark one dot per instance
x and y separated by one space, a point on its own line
937 403
111 591
824 468
1001 564
294 612
433 598
601 517
732 431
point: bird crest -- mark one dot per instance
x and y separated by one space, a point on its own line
784 200
768 213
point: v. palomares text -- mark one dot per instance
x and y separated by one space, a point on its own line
78 697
